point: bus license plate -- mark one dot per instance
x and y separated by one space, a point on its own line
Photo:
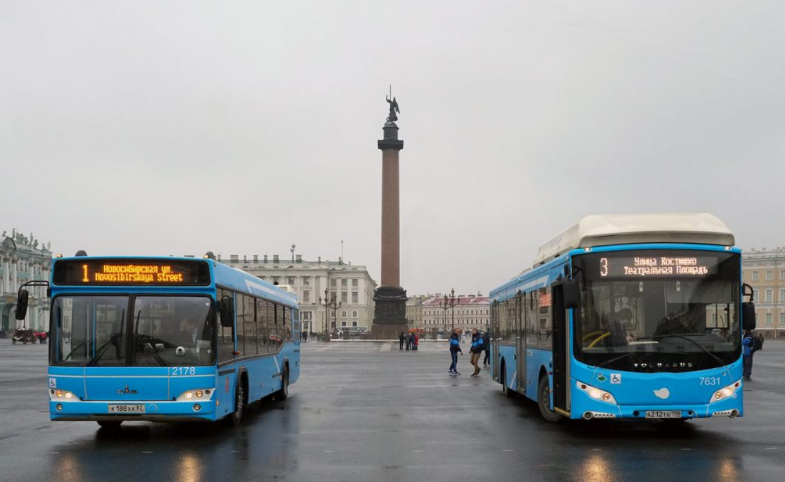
663 414
136 408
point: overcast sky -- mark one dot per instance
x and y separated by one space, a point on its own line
241 127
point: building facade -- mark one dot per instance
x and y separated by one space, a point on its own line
350 285
467 312
764 270
23 259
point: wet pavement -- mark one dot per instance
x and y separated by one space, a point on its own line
367 412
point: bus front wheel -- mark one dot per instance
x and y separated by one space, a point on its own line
505 388
544 401
239 402
110 423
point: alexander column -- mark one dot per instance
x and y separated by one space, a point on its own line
390 298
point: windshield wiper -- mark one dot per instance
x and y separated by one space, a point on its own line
149 349
683 337
104 348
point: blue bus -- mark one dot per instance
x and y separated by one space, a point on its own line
165 339
627 316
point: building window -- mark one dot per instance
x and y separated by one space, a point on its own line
343 314
354 283
355 297
354 314
782 295
306 281
769 295
343 282
768 318
290 280
754 276
782 275
306 315
275 279
332 283
344 297
343 323
354 323
756 293
782 319
306 296
769 275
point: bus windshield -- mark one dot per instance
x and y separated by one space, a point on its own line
113 330
658 310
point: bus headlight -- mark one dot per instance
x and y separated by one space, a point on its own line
725 393
57 395
596 393
196 394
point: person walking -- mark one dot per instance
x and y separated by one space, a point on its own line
408 341
486 345
401 340
748 348
455 349
476 351
415 341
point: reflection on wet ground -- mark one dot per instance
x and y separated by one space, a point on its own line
361 413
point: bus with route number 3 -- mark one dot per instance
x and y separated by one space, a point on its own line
164 339
627 316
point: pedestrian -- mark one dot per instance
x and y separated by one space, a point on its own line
408 341
401 340
415 341
748 348
476 351
486 345
455 349
305 337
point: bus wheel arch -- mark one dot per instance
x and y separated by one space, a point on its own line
283 393
544 398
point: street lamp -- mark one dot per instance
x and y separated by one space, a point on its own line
329 303
452 306
444 304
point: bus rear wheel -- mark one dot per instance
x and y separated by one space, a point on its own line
544 401
239 405
505 388
283 393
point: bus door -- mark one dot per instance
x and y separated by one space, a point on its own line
560 339
520 342
495 333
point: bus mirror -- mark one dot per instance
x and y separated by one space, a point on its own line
226 309
748 315
572 295
21 305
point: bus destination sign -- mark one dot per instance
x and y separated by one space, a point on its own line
642 266
131 272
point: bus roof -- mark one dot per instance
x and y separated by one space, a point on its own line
610 229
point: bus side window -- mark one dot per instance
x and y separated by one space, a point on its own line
287 316
225 334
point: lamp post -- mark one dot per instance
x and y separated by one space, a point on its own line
452 306
444 304
329 303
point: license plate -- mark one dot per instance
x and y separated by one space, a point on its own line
136 408
663 414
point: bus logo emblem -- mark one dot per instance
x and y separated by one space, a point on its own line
601 378
126 390
662 393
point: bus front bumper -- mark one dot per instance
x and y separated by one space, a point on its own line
152 411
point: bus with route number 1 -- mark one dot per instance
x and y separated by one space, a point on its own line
627 316
164 339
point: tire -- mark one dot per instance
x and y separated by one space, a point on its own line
505 389
283 393
110 424
13 341
239 405
544 401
